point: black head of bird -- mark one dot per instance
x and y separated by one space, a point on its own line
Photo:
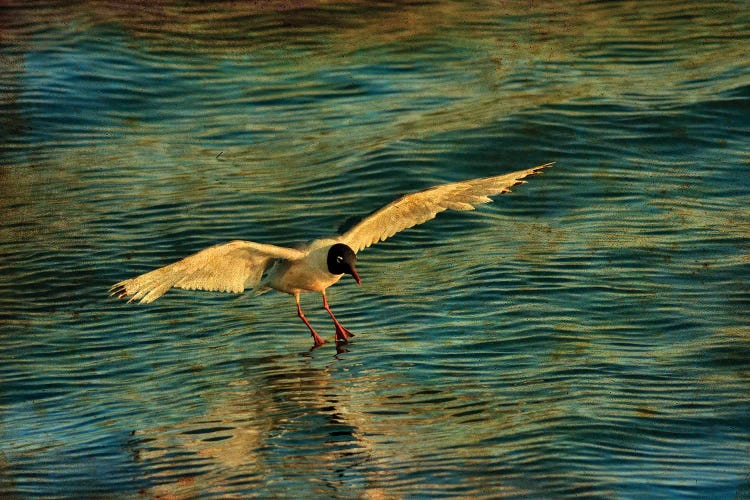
342 260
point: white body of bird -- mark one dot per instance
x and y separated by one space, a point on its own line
307 274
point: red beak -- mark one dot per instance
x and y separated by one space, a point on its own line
356 276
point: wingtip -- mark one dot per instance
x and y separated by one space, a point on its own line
540 168
120 291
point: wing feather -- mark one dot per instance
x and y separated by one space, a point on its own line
228 267
419 207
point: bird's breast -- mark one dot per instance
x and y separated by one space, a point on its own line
300 276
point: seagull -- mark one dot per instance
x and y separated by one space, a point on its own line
241 265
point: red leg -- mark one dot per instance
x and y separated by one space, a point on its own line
316 338
342 334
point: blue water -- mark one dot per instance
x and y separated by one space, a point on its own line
586 335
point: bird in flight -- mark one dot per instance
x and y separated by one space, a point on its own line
240 265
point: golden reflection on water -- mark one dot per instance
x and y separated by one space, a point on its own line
563 35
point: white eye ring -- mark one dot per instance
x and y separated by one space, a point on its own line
339 259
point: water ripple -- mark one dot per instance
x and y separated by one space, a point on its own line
584 335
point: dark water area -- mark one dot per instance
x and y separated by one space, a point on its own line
584 336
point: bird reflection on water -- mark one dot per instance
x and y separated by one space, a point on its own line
295 416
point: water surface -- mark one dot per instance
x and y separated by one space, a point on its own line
586 335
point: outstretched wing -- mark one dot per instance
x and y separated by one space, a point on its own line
419 207
229 267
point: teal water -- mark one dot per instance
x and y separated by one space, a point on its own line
584 336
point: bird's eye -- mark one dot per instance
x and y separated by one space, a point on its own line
339 259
